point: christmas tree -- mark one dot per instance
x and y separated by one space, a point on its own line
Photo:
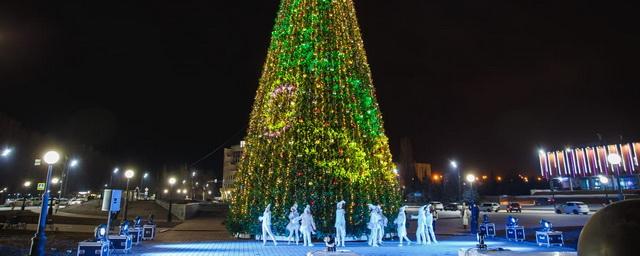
315 134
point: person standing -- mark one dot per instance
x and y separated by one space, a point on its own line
465 217
434 212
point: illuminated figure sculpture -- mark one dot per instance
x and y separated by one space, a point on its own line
401 226
266 225
383 223
294 224
307 226
431 236
420 232
341 230
374 225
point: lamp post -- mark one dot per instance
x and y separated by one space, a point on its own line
604 180
26 184
615 159
172 181
128 174
454 165
39 240
54 181
142 177
115 171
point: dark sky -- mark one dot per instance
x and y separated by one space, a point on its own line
484 82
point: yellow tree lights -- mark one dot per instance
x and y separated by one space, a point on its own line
315 133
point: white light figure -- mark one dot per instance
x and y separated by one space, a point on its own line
341 230
401 226
431 236
420 230
307 227
383 224
266 225
374 225
294 224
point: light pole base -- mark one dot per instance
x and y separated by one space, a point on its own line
38 243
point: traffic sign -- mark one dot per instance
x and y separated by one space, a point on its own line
41 186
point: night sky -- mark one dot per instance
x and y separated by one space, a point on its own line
165 82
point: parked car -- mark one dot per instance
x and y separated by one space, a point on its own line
489 207
453 207
514 207
17 202
574 207
438 206
78 200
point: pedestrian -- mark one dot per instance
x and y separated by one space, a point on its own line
435 217
466 214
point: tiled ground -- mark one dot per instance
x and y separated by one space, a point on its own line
447 246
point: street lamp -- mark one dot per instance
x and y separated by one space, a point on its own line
54 181
65 177
172 181
40 239
615 160
604 180
115 171
26 184
471 178
127 174
142 177
454 165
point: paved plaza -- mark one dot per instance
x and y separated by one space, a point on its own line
448 245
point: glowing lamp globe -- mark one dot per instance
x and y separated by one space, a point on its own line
51 157
55 180
129 174
604 180
172 181
614 159
471 178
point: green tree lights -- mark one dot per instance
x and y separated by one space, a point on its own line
315 133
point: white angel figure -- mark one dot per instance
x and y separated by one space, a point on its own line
307 227
383 224
401 226
341 224
420 232
374 225
431 236
294 224
266 226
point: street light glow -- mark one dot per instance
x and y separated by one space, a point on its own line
146 174
129 174
614 159
172 181
55 180
73 163
166 191
6 152
603 179
27 183
454 164
116 170
51 157
193 174
471 178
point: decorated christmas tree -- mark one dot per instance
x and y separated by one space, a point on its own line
315 133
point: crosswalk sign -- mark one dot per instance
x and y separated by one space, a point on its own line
40 186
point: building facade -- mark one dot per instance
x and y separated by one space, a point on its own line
232 156
600 167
